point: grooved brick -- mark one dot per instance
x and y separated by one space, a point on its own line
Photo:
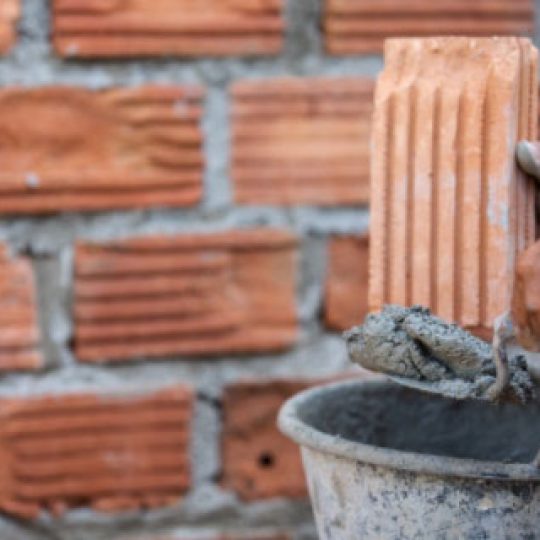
301 141
108 452
66 148
346 289
108 28
361 26
258 461
19 329
196 295
9 13
450 210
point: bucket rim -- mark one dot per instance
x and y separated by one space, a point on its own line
305 435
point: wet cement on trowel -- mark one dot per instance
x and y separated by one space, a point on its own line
412 344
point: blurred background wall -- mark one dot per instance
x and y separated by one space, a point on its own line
184 191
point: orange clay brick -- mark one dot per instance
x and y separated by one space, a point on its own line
196 295
449 208
258 461
65 148
301 141
108 28
361 26
110 453
346 289
10 11
19 329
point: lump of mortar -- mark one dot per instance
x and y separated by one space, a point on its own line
413 344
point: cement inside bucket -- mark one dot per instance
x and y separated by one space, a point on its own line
393 417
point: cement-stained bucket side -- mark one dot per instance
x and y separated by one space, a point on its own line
370 491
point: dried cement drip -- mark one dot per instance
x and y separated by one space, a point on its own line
411 343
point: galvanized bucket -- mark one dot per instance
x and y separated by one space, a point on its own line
386 462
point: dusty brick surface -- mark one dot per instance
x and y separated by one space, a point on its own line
194 295
108 452
346 287
361 26
120 148
19 330
449 208
301 141
94 28
258 461
9 14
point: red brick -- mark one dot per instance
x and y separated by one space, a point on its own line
258 461
19 334
196 295
346 290
67 148
450 210
361 26
10 11
108 452
98 28
301 141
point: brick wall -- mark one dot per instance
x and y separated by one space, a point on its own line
183 235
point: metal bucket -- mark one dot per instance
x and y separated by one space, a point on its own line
386 462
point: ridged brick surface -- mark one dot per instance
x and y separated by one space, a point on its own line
361 26
301 141
9 13
449 208
192 295
346 289
19 329
108 28
108 452
66 148
258 461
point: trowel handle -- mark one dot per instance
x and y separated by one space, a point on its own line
502 333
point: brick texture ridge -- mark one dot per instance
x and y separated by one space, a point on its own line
361 26
449 208
258 461
19 329
9 13
109 452
108 28
195 295
301 141
346 287
119 148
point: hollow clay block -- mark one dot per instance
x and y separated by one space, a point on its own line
450 210
301 140
10 11
186 295
360 26
109 451
127 28
120 148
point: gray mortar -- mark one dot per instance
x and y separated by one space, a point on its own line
413 345
50 241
